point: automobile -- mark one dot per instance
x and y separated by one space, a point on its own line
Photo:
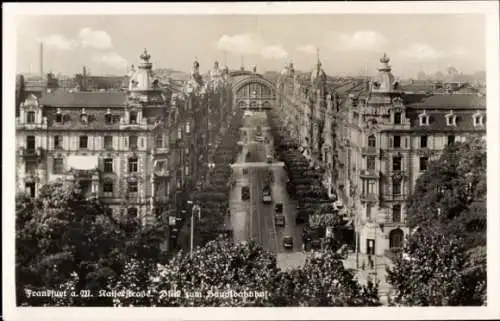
279 220
288 242
269 159
266 195
278 207
248 155
245 193
259 138
245 171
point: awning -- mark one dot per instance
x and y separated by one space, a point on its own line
83 162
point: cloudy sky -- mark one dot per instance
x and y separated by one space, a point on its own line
348 43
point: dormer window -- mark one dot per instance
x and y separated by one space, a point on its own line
478 119
133 117
84 119
30 117
59 116
397 118
451 119
424 119
108 118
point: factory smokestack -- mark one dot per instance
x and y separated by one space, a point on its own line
41 66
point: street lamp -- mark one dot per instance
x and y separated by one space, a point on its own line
194 208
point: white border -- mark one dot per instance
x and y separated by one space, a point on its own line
488 8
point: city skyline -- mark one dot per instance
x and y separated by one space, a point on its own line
348 44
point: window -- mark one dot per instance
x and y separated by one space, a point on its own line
108 165
108 142
29 166
159 141
451 139
132 187
423 141
186 170
133 142
58 166
108 119
370 163
84 119
84 140
133 117
30 142
478 120
371 141
107 188
423 163
396 187
396 213
397 118
132 165
396 163
116 119
179 133
57 142
451 119
59 118
424 119
132 212
188 128
30 189
30 117
368 211
397 142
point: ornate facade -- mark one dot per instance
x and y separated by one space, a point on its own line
386 138
136 150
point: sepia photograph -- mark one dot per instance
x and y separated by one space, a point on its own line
200 157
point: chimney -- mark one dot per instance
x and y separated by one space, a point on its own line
41 66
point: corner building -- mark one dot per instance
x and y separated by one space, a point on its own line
386 138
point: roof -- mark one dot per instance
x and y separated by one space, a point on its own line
446 101
62 98
437 121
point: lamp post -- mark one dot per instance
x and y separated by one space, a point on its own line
194 208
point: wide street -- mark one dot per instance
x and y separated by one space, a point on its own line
253 219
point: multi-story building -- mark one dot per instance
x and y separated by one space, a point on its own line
134 149
373 145
386 138
307 107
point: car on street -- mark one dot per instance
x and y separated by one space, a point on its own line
279 219
278 208
245 193
269 159
288 242
266 195
245 171
259 138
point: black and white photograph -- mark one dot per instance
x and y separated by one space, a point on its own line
198 157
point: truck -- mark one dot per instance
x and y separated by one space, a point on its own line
266 195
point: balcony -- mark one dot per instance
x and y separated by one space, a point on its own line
369 174
30 152
395 197
162 172
161 150
370 151
369 197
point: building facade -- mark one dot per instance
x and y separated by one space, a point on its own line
373 145
135 150
386 137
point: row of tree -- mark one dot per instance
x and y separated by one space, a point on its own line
304 181
214 197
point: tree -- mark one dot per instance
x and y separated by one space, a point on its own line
429 272
67 242
223 266
449 199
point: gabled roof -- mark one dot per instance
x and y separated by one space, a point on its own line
62 98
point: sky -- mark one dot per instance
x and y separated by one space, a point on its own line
348 44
